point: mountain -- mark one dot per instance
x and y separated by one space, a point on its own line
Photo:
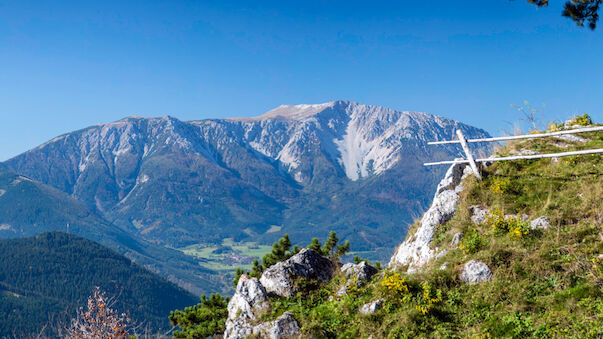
47 277
515 254
302 169
28 207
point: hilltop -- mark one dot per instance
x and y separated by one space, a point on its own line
517 254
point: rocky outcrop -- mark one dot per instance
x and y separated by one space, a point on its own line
362 272
372 307
542 223
415 250
279 279
282 327
572 138
479 214
475 272
251 297
357 274
245 307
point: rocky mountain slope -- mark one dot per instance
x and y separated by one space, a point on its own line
303 169
515 255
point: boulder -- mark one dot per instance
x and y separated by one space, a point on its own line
572 138
540 223
245 306
475 272
479 214
357 274
363 272
415 250
282 327
456 239
372 307
279 278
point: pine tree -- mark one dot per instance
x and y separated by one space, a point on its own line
315 245
206 319
329 247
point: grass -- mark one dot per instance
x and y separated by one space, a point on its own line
547 283
222 258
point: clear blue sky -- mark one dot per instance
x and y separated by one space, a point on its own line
65 65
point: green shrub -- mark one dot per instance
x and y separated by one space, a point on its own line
203 320
511 225
472 242
582 120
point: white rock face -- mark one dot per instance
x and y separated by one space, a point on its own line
362 272
372 307
540 223
282 327
279 278
358 274
363 139
572 138
245 306
415 251
475 272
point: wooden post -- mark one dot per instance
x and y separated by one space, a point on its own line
468 153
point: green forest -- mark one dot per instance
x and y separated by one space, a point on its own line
44 279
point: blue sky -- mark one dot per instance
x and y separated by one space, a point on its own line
65 65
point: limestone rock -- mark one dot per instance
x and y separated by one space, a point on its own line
244 307
372 307
572 138
475 272
456 239
363 272
479 214
279 278
282 327
540 223
415 251
357 274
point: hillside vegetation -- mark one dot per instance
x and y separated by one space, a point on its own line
28 207
45 278
546 282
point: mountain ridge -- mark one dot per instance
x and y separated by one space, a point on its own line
353 168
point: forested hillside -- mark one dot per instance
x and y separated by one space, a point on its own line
43 279
29 207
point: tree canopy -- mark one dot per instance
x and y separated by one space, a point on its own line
580 11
